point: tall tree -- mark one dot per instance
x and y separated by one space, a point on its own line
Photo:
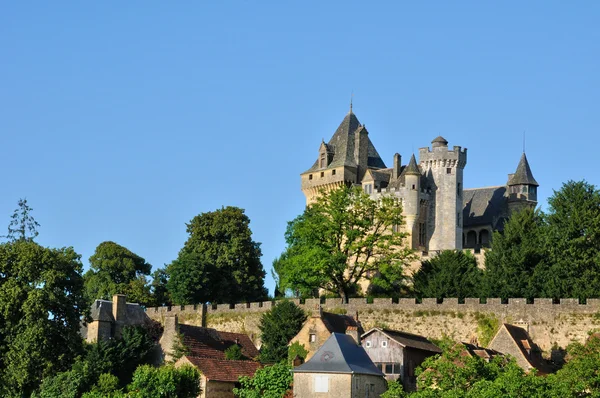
219 262
452 273
515 266
41 306
22 224
574 241
278 326
341 239
114 269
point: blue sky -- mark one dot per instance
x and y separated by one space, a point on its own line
123 120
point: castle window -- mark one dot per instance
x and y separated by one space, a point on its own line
310 176
414 187
524 189
323 160
449 170
322 174
332 172
422 234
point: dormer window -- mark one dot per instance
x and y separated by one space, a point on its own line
323 160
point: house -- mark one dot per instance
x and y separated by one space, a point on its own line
321 325
473 350
513 340
205 349
109 317
340 368
397 354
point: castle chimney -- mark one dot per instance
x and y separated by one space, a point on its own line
353 331
119 307
397 165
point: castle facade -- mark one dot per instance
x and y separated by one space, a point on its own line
439 212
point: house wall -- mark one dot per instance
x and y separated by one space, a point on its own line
98 330
377 385
339 386
393 353
504 343
219 389
313 325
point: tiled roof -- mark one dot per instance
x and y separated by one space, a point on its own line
211 343
340 354
337 323
485 206
523 175
223 369
407 339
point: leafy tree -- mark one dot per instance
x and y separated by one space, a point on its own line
514 267
234 353
219 262
22 225
296 350
114 269
452 273
179 348
269 382
344 237
395 390
166 381
278 326
574 241
158 288
41 305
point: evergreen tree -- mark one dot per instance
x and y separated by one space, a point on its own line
22 224
278 326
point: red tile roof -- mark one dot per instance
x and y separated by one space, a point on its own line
224 370
211 343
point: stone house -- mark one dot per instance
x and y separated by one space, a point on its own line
205 349
397 354
319 327
109 317
514 341
340 368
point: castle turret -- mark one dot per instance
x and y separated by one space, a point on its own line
522 187
412 181
444 170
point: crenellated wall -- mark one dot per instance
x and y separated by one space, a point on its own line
548 323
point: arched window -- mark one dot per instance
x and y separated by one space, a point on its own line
484 237
471 239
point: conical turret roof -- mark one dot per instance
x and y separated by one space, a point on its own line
412 168
523 175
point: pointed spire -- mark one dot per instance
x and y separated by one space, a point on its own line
412 168
523 175
351 98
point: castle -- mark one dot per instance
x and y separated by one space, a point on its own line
439 212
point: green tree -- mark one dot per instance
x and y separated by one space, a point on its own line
166 381
278 326
219 262
342 238
574 241
114 269
158 288
515 266
269 382
296 350
452 273
22 224
41 306
234 353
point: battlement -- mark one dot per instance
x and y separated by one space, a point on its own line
441 156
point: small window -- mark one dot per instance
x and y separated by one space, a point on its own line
310 176
449 170
384 344
414 187
368 344
312 337
321 383
323 160
379 366
389 368
332 172
369 188
397 369
322 174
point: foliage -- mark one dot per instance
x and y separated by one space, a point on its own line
166 381
487 327
296 350
395 390
573 241
278 326
269 382
234 353
158 288
219 261
179 348
342 238
41 304
515 264
114 269
452 273
22 225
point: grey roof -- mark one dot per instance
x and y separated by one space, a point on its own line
485 206
439 139
407 339
412 168
342 145
102 311
340 354
523 175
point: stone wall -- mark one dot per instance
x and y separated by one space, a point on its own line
549 324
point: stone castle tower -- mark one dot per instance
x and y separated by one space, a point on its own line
439 213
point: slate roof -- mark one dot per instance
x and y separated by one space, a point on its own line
337 323
412 168
210 343
439 139
342 145
102 311
340 354
223 369
523 175
407 339
483 206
